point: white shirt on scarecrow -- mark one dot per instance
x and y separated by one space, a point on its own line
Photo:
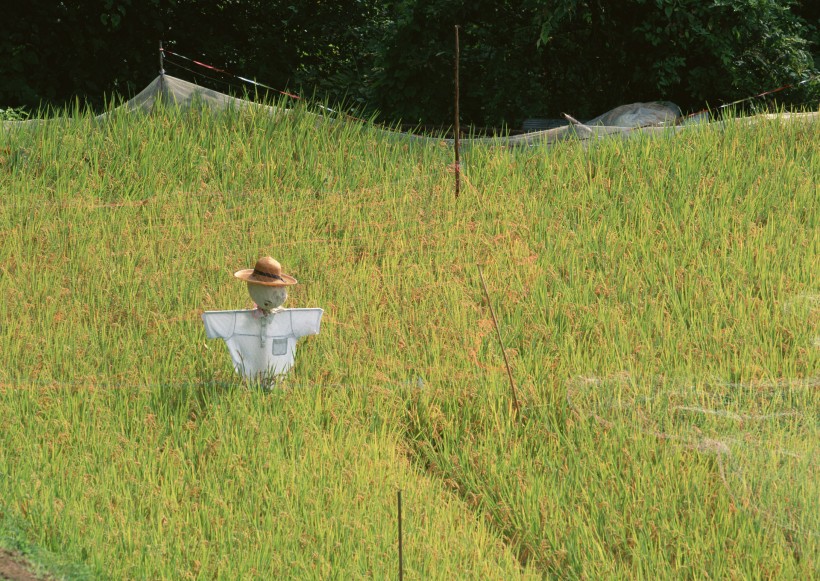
262 344
262 341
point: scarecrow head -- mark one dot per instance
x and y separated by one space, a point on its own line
267 285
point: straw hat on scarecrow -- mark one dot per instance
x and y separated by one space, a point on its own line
267 284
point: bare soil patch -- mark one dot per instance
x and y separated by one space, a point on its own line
15 567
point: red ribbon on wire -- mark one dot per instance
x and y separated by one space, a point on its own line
196 62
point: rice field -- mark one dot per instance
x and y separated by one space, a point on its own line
658 300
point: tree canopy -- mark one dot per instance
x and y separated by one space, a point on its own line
528 58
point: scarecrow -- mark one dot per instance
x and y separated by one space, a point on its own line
262 341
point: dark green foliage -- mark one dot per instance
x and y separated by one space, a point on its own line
541 57
57 50
528 58
53 51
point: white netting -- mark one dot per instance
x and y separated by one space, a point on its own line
624 121
763 435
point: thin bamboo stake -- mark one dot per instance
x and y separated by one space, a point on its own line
401 556
457 167
500 341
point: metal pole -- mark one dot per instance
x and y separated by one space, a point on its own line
457 129
161 59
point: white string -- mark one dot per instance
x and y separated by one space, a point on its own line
725 448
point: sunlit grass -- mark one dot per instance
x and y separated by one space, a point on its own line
688 261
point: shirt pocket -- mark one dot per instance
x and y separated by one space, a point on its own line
279 346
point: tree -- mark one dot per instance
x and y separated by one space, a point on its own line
524 58
541 57
53 51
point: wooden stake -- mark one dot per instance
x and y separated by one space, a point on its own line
500 342
456 124
161 59
401 556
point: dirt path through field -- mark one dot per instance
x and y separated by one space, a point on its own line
14 567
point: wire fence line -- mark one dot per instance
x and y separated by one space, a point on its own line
182 196
22 384
408 244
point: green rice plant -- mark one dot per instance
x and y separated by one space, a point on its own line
642 287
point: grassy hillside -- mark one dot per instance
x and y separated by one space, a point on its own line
658 299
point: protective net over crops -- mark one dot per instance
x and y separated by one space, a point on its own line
763 436
654 117
645 116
